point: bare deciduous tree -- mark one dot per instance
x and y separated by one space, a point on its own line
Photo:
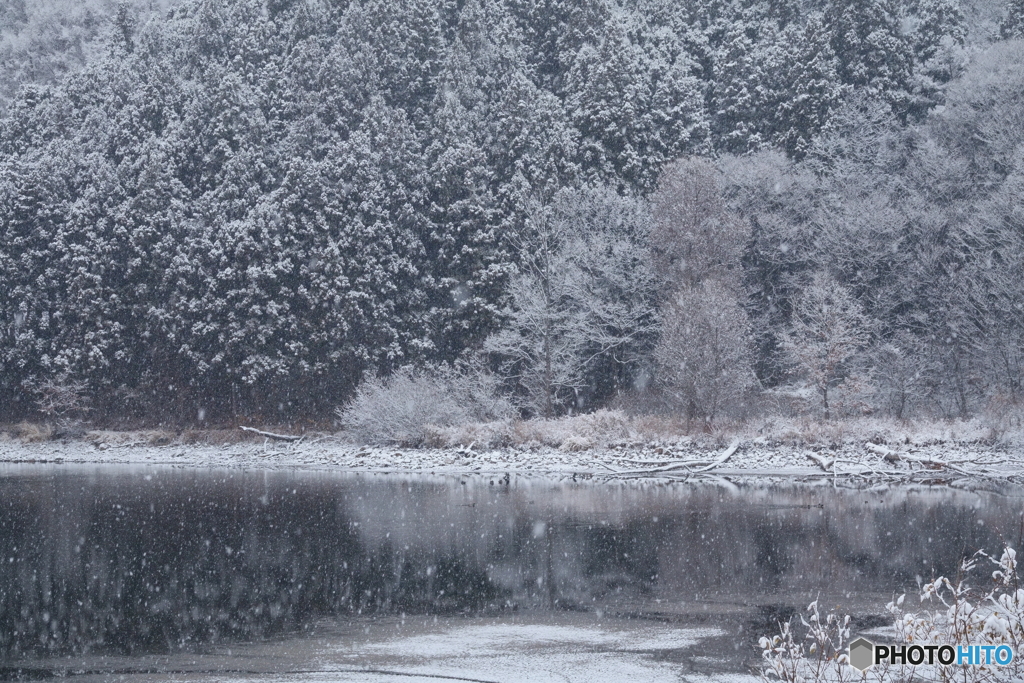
694 237
583 291
828 329
703 356
59 398
899 370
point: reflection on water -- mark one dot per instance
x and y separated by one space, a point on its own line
161 560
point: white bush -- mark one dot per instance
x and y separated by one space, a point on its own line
400 408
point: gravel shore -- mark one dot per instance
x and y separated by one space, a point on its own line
848 464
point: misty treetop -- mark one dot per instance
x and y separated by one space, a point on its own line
246 206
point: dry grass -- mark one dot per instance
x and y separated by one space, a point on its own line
600 427
605 428
35 432
571 433
802 431
609 427
148 437
30 432
483 434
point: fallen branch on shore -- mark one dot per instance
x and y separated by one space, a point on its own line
609 467
271 435
725 456
639 461
887 454
680 465
890 455
687 465
827 464
934 464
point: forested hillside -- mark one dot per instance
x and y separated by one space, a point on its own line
244 207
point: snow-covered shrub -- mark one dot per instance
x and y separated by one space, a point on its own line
970 616
819 658
401 407
965 616
58 398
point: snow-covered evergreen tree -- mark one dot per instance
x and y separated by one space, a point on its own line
872 50
635 104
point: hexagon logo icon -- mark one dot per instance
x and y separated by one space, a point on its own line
862 654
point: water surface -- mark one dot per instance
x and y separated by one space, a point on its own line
151 573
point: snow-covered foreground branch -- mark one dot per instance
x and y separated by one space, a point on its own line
963 615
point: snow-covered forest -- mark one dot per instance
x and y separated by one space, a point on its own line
218 208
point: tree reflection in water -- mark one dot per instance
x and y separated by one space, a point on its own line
132 560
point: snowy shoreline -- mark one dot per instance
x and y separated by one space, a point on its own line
848 464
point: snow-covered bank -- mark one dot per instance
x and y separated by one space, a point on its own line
850 463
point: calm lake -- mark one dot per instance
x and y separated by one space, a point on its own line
150 573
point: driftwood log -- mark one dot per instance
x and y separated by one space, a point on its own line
687 465
271 435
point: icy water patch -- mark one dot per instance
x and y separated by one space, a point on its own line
536 652
475 649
